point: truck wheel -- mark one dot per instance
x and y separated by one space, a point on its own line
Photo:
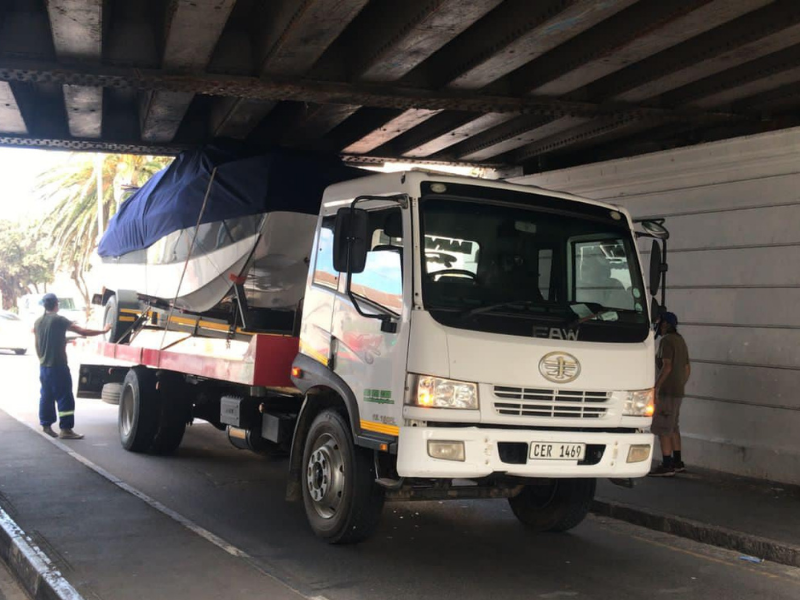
168 437
111 317
342 501
111 393
138 410
171 427
174 412
559 506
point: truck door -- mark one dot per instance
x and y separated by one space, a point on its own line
373 361
315 333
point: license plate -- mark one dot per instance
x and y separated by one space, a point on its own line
557 451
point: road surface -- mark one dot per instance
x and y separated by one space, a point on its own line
447 551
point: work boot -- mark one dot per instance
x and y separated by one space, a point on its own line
68 434
49 431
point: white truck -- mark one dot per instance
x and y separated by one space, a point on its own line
460 338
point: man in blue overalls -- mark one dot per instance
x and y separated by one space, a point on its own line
54 375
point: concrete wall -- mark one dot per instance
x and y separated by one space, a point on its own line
733 209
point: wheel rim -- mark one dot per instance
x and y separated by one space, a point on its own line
126 412
325 476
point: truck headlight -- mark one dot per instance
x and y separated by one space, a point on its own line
638 403
435 392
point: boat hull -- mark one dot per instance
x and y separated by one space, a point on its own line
270 251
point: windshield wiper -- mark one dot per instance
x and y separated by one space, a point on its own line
490 307
598 314
444 308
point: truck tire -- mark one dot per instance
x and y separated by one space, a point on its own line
342 501
174 413
171 427
559 506
111 317
138 410
168 437
111 392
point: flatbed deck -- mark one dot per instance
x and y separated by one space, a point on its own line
266 361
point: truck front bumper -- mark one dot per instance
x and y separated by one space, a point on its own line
507 451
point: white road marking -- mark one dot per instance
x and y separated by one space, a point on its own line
187 523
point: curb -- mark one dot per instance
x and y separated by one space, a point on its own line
35 572
753 545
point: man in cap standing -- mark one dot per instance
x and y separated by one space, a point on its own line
674 369
54 375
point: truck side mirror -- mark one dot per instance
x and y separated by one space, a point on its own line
655 228
350 240
655 268
655 310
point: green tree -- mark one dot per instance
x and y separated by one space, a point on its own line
27 261
70 191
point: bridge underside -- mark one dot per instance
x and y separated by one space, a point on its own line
516 85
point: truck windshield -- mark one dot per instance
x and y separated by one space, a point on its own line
531 265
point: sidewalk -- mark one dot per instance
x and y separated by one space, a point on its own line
757 518
9 589
105 541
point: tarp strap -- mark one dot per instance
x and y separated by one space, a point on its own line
191 249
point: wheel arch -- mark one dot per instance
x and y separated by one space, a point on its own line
318 379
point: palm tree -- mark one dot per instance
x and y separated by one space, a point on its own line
71 193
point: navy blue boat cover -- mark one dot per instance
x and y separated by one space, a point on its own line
247 182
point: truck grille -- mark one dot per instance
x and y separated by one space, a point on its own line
529 402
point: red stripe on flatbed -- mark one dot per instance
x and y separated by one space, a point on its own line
267 362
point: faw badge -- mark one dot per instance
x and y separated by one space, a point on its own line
559 367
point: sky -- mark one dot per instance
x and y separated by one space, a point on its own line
18 170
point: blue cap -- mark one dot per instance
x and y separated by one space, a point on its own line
670 318
50 302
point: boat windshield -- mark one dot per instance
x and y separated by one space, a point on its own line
176 246
526 264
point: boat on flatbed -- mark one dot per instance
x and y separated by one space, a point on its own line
221 215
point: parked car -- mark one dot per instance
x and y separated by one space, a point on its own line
30 308
15 334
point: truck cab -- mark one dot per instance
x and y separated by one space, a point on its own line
487 339
456 338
